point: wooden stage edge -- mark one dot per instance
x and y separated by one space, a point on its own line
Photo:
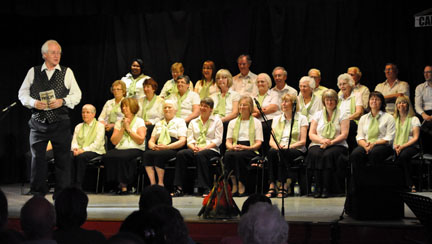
310 220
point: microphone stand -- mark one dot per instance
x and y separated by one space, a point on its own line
280 156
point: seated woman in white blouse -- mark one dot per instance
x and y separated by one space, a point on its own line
281 126
269 102
375 134
88 142
150 106
204 135
328 132
406 137
350 103
128 137
226 101
168 136
244 139
187 101
207 85
308 103
111 111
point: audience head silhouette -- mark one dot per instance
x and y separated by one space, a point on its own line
38 219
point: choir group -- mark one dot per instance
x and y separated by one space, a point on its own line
219 117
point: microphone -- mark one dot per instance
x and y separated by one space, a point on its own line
294 105
257 103
9 107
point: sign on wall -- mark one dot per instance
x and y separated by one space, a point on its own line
424 18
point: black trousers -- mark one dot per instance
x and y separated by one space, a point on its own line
404 159
79 167
158 158
359 159
324 163
278 167
59 134
238 161
426 134
351 140
120 165
201 159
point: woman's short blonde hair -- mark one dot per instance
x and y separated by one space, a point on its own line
292 98
249 101
329 93
266 78
121 83
404 99
224 73
132 103
177 66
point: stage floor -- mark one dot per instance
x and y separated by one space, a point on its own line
117 208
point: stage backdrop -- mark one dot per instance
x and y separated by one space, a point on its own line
99 39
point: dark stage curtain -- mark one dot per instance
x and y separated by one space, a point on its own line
99 39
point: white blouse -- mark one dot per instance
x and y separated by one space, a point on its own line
107 108
212 90
230 98
386 127
320 119
315 106
155 113
271 97
130 144
214 132
345 104
302 121
98 145
139 89
176 128
415 122
186 106
244 130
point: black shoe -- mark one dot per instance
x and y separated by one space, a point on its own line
317 193
235 194
325 193
123 193
177 192
35 193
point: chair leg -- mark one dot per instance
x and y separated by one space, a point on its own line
97 180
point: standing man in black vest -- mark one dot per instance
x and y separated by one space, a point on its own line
50 90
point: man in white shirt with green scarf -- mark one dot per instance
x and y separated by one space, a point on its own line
87 143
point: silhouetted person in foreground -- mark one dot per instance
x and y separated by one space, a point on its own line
71 211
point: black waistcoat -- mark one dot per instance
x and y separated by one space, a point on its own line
56 83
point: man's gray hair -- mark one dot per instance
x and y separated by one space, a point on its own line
263 223
281 68
44 48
